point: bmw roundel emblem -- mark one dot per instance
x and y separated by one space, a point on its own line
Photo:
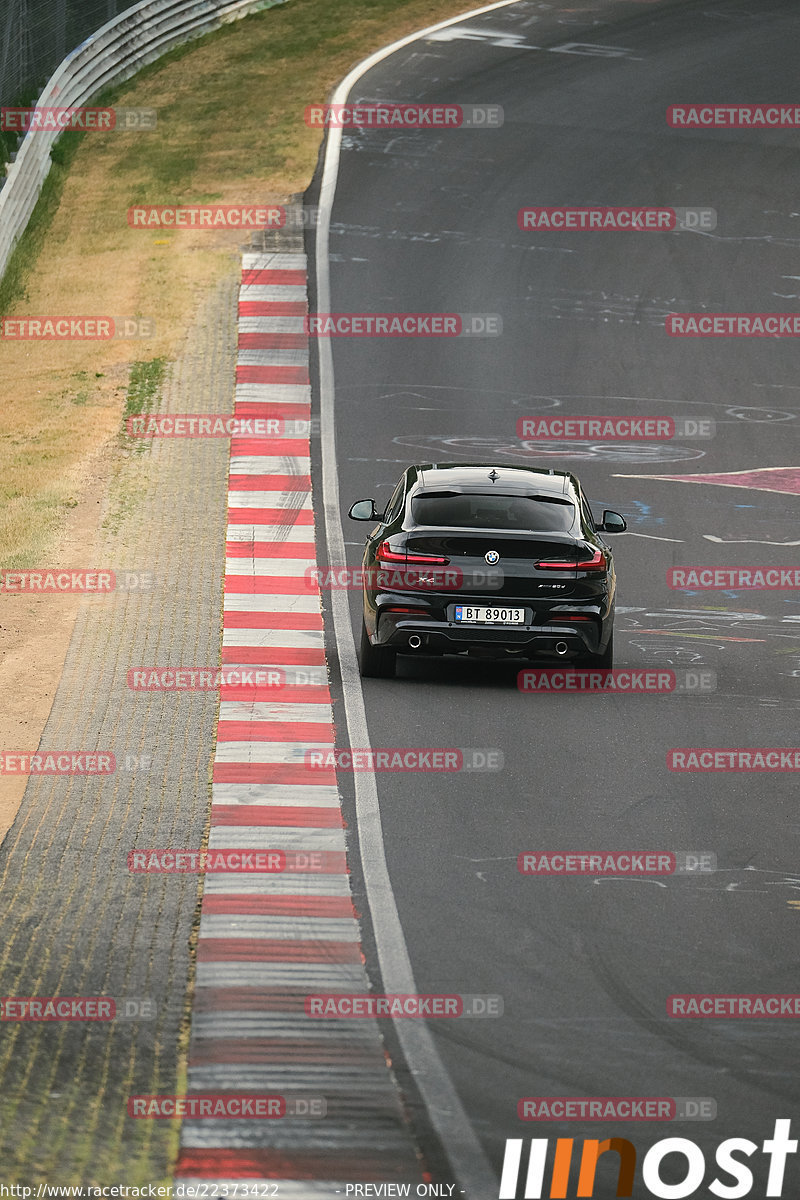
492 557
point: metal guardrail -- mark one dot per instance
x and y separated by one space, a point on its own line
115 52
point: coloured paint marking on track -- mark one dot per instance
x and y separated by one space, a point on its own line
785 480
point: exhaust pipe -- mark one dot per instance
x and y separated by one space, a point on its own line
415 641
562 648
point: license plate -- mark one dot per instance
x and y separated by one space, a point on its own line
466 615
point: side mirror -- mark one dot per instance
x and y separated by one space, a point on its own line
364 510
613 522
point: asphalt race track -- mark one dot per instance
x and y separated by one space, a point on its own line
426 221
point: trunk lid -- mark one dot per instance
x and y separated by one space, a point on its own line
515 573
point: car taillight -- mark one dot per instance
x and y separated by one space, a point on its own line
397 608
596 563
387 554
559 618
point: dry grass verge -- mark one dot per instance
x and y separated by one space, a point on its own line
230 129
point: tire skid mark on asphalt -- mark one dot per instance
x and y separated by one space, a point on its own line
266 941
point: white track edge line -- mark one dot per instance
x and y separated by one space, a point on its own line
469 1164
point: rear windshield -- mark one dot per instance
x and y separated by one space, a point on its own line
472 511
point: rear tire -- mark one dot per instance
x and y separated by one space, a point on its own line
375 662
605 660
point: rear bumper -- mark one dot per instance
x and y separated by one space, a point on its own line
554 640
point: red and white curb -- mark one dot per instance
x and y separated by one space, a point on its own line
266 941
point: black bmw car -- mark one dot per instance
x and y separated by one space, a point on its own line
470 558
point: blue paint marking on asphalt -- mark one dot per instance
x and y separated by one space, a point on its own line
645 515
